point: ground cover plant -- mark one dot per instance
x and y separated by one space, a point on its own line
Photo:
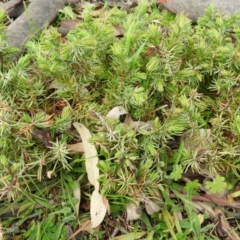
132 120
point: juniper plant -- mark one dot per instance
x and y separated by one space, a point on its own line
182 77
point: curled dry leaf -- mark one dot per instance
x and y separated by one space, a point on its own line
105 200
206 208
43 136
98 12
201 143
127 4
68 24
84 4
133 212
224 228
91 155
98 208
46 120
200 140
86 226
116 112
50 174
118 30
75 148
77 195
142 125
151 207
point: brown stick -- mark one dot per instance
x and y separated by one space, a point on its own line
212 199
79 230
67 25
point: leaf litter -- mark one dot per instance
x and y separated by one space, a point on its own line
98 204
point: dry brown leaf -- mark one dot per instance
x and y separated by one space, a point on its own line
105 200
43 136
47 122
98 209
44 121
67 25
128 120
142 125
198 140
118 30
127 4
206 208
116 112
98 12
223 226
133 212
90 153
84 4
50 174
77 195
151 207
87 227
75 148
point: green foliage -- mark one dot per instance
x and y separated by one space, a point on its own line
177 172
50 228
183 80
218 185
193 185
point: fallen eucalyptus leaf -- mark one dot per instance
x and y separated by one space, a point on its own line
98 209
90 153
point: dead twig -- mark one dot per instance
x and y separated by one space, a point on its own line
79 230
212 199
